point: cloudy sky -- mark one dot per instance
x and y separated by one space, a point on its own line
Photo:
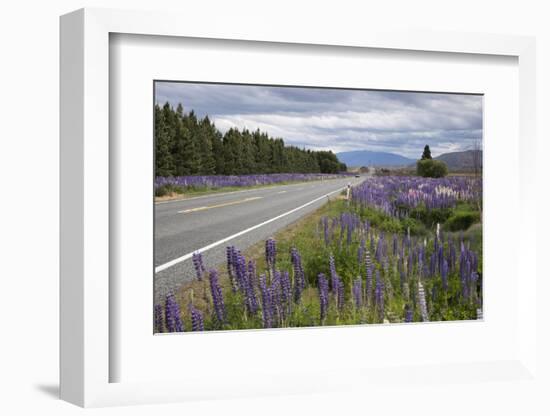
340 120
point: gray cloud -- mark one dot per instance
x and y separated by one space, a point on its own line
336 119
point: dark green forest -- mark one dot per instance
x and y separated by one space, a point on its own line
187 145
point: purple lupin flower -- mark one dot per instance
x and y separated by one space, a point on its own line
172 315
425 270
334 279
286 289
440 259
241 273
464 274
252 276
420 258
444 274
349 230
299 276
248 289
199 265
217 296
277 310
323 296
270 253
159 319
266 302
231 255
432 265
357 292
368 284
197 320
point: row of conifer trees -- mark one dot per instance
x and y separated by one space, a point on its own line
188 145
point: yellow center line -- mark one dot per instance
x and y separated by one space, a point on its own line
225 204
282 192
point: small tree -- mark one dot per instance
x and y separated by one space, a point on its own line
427 154
431 168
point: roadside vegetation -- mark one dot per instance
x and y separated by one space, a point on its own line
169 187
402 249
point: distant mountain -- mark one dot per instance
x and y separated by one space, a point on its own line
462 161
369 158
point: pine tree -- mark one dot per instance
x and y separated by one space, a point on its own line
217 150
206 135
231 152
249 153
164 133
184 151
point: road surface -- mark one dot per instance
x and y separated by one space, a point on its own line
210 223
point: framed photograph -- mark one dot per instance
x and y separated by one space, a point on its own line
256 231
235 211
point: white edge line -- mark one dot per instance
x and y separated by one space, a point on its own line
226 239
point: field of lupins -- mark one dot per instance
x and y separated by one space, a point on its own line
339 266
397 196
221 181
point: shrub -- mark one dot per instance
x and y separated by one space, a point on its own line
461 220
374 216
414 226
391 225
430 217
431 168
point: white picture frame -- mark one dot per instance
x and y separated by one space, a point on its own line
86 355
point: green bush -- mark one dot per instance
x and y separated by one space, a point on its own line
430 217
414 226
431 168
461 220
391 225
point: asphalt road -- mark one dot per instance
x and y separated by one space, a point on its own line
212 222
